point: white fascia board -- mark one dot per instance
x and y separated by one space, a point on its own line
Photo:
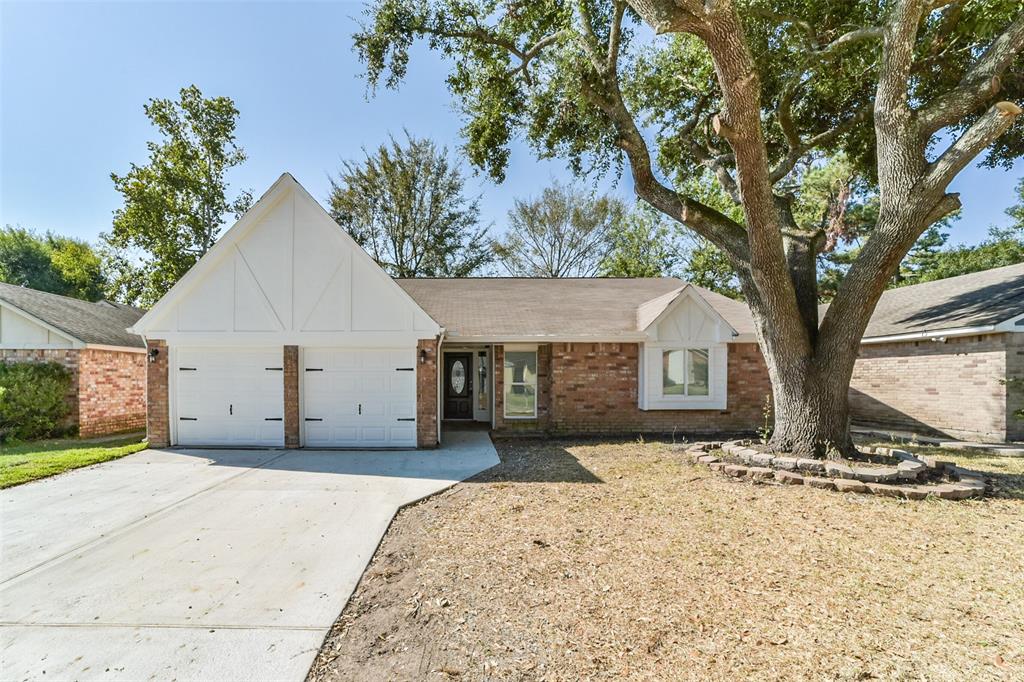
75 342
937 334
551 338
403 339
119 349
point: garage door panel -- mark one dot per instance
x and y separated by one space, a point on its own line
227 396
360 394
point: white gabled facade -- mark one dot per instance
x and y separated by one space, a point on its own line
287 275
684 323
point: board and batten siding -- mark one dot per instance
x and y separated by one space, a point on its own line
287 274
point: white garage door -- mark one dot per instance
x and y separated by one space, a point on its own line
229 397
359 397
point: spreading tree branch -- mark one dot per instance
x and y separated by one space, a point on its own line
981 82
993 123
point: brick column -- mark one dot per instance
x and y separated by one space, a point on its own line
426 393
158 420
291 396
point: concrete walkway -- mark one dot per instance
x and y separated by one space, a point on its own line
200 564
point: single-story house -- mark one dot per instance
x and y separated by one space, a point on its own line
107 363
946 358
286 333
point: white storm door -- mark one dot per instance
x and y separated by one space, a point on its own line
359 397
229 396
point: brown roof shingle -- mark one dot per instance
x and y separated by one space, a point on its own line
565 307
103 323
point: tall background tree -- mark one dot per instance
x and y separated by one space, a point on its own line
642 244
405 204
562 233
745 93
50 262
176 204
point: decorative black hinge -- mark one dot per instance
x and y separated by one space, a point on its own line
405 369
406 419
314 419
274 369
188 419
272 419
186 369
314 369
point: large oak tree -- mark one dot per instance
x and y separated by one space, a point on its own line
749 92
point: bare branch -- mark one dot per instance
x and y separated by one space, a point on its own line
996 121
981 82
615 37
856 36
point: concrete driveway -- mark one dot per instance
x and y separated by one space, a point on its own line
200 564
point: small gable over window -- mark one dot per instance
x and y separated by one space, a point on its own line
684 363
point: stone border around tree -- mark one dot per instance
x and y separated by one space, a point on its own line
900 473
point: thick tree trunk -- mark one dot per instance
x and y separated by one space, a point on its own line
812 413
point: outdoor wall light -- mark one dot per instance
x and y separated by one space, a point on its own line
423 356
153 353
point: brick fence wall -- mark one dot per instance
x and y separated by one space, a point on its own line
949 388
62 356
158 419
111 392
593 389
426 393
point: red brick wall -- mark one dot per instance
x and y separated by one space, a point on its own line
63 356
426 393
291 396
594 390
111 392
158 430
949 388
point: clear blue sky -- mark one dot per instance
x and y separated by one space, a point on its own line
74 77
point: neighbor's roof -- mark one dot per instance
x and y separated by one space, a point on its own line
101 323
563 307
979 299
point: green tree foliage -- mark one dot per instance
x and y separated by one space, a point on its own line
33 400
405 204
176 204
641 245
565 232
50 262
750 95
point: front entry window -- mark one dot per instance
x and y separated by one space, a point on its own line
520 384
458 377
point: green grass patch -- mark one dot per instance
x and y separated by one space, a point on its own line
39 459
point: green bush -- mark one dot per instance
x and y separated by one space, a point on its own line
32 399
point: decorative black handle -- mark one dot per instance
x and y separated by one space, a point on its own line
272 419
274 369
406 419
186 369
313 419
314 369
187 419
405 369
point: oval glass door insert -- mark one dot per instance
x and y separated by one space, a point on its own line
458 376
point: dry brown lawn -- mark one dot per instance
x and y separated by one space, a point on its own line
574 561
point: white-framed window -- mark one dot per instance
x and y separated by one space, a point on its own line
683 376
685 372
520 383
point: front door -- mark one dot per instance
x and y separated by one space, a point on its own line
458 386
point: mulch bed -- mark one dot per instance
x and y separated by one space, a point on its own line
603 561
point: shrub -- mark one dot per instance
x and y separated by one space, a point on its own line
32 399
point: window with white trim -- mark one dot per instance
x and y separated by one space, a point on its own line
520 384
685 372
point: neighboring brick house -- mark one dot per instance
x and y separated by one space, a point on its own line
286 333
946 358
107 364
